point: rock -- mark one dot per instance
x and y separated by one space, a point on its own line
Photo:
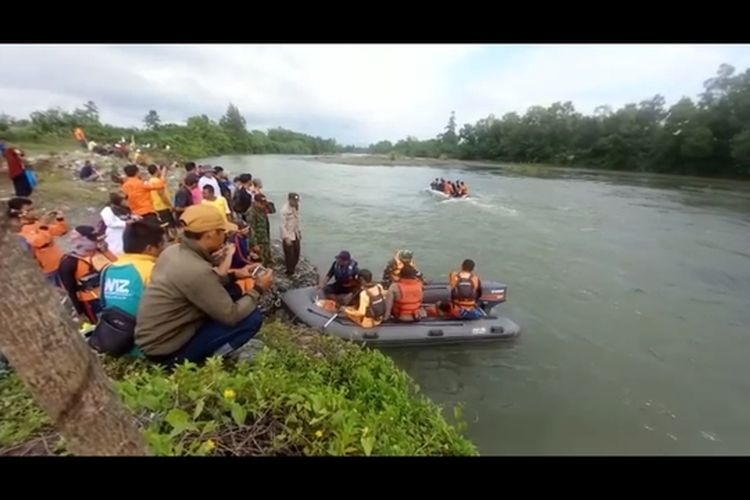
75 160
249 351
4 366
305 275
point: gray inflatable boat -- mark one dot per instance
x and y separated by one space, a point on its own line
301 303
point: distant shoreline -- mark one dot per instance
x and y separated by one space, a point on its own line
511 168
385 160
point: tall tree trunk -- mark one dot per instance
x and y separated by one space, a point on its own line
62 373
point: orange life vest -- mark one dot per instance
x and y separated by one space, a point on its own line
464 287
454 312
88 276
245 284
411 295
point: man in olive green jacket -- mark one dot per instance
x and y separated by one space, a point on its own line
186 313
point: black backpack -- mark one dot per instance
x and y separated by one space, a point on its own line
114 333
376 310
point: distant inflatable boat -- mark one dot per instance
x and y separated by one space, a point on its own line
301 303
442 195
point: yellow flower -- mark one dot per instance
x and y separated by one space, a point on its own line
319 434
210 445
229 394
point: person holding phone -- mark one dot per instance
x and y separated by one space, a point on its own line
187 313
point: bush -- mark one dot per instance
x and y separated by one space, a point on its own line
303 395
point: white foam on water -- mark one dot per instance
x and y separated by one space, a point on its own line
476 201
709 435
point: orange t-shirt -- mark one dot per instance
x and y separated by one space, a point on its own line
139 194
42 241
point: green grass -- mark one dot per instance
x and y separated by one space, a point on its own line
303 395
47 146
58 186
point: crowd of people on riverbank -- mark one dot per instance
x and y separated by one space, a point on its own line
174 278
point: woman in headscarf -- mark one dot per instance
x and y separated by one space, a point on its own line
80 271
114 217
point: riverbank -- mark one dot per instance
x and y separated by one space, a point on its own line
291 392
302 394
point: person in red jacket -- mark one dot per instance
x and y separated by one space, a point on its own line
16 169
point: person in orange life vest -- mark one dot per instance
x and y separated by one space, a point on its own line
371 308
441 309
466 288
139 190
344 271
40 234
404 301
393 269
80 271
448 188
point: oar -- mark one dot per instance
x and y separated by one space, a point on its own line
330 320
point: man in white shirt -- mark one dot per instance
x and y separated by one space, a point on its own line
209 178
291 235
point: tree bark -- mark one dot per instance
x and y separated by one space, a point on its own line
62 373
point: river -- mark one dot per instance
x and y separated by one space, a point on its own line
633 293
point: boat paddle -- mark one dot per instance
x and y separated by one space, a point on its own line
330 320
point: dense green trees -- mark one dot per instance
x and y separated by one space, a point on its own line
199 137
708 137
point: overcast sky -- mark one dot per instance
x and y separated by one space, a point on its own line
356 93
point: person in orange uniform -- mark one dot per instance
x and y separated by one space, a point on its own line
392 271
448 188
80 271
372 303
444 310
466 288
80 137
404 301
40 233
139 191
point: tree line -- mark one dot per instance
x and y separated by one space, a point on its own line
199 137
709 136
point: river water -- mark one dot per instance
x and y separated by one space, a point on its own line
633 294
